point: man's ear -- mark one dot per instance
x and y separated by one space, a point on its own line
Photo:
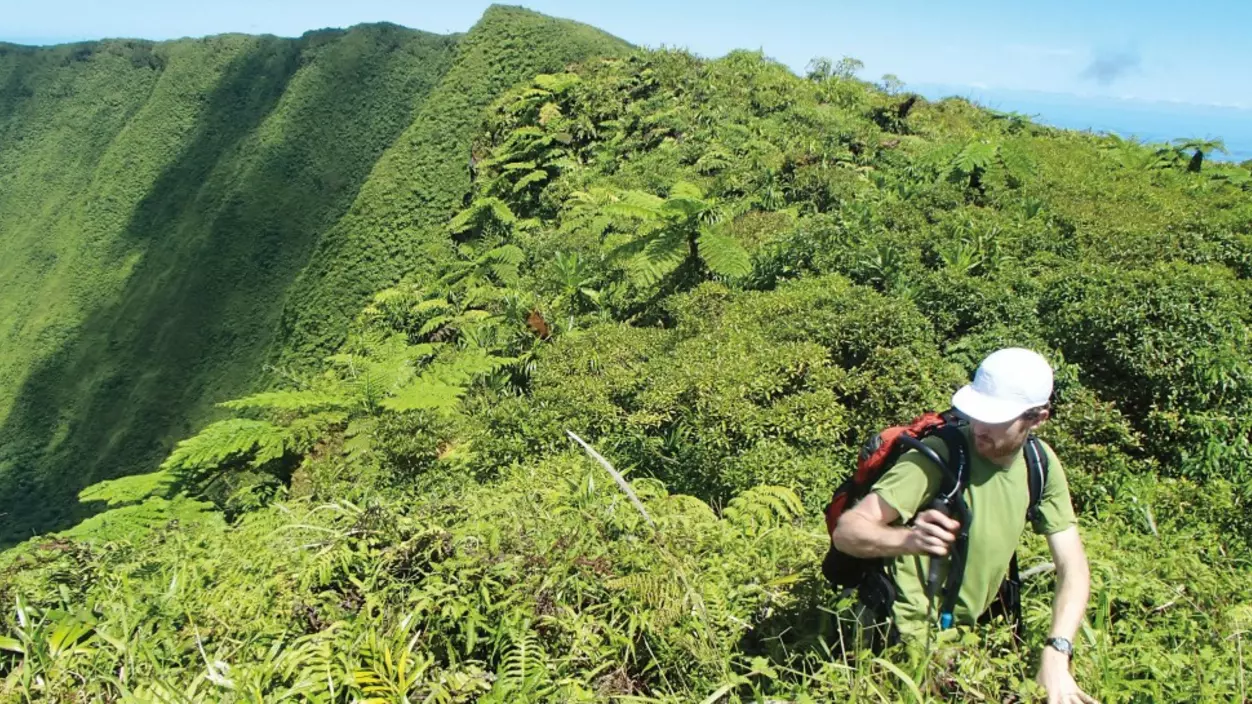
1042 415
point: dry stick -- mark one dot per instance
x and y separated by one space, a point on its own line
1147 513
617 477
1037 569
1243 692
692 594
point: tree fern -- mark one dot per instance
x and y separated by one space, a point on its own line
1002 161
976 155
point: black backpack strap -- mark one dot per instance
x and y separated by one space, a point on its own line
1008 602
1036 475
1014 597
951 500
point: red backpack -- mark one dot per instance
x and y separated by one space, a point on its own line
879 454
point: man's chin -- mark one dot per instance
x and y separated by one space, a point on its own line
988 449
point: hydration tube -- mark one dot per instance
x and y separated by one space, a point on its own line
950 503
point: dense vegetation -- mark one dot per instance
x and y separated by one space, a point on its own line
722 276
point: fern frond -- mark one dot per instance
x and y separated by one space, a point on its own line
288 401
524 673
1017 162
763 507
359 435
462 220
978 154
712 161
465 366
689 506
225 441
501 211
635 204
303 433
686 190
723 255
505 254
557 82
434 324
660 592
684 208
536 176
432 304
474 215
661 254
425 394
519 166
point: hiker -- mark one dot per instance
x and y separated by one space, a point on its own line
896 526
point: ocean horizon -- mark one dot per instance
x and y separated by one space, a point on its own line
1145 120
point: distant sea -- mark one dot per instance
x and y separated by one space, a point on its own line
1149 121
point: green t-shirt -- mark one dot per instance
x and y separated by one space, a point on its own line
997 498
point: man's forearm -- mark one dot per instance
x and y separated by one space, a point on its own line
861 538
1073 588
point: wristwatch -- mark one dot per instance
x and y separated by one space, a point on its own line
1062 644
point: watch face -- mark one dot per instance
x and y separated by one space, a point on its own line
1062 645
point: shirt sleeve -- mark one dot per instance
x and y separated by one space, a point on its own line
1056 510
912 481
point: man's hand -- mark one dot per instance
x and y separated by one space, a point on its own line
932 534
1054 677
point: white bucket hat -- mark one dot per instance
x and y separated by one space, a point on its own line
1008 383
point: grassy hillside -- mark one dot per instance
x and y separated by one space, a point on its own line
724 276
161 201
396 225
165 197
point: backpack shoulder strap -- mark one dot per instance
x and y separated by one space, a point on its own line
1036 475
958 453
954 467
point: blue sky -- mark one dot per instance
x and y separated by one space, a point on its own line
1197 53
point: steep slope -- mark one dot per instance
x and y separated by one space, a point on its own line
397 224
157 201
161 201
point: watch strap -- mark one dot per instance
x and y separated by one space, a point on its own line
1062 644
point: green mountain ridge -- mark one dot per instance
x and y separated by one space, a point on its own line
160 202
